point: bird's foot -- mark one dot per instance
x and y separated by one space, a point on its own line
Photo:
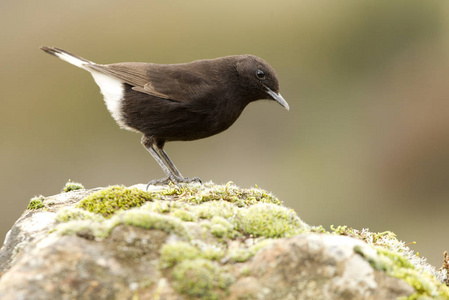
173 179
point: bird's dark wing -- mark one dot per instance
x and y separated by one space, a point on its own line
133 74
175 82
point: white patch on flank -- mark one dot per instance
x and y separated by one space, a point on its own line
113 92
71 60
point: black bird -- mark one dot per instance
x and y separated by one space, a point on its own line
179 102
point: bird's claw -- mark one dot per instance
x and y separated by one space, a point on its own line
173 179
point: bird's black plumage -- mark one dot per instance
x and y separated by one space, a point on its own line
179 102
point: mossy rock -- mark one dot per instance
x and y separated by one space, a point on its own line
211 226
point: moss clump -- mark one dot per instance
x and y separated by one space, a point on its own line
72 186
184 214
149 220
445 267
196 193
245 271
211 252
270 221
110 200
373 238
172 254
201 278
395 265
36 203
219 208
100 227
161 207
220 227
70 214
88 228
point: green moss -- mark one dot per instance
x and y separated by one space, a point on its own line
70 214
245 271
196 193
201 278
395 265
219 208
150 220
101 227
36 203
218 230
158 206
184 215
234 212
318 229
373 238
173 253
395 258
211 252
88 228
220 227
110 200
270 221
72 186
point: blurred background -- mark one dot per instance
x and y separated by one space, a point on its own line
365 144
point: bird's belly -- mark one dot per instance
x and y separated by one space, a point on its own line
192 128
172 120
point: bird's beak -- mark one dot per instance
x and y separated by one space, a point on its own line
278 98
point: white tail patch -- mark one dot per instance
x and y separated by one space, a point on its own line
71 60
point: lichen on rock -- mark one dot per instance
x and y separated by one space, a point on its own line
199 241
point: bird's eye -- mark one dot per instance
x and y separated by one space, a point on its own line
260 74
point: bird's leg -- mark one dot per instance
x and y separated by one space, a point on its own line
172 167
173 174
161 157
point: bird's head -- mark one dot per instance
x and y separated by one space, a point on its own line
260 79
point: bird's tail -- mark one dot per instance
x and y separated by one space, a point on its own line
68 57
